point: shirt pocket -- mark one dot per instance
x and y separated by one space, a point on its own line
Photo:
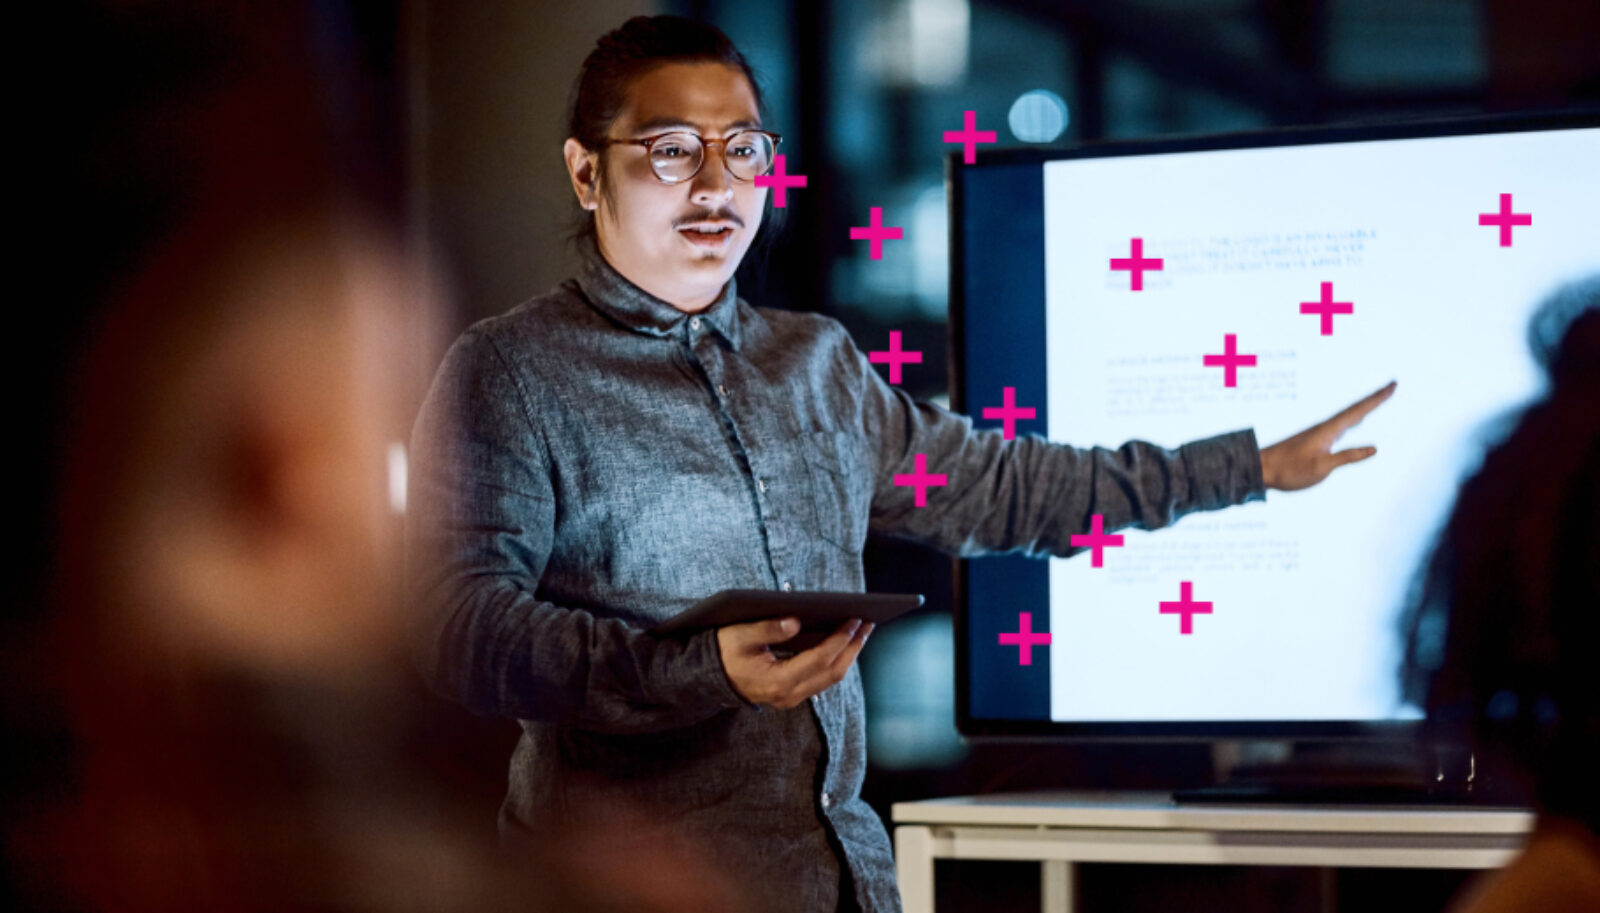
842 472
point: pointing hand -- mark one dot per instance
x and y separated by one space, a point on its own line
1307 458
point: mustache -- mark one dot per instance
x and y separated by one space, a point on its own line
706 215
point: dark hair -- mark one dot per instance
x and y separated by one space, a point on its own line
623 56
1504 620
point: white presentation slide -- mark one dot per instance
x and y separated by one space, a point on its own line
1305 588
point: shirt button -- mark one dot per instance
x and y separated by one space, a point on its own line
721 389
694 323
787 586
761 484
827 800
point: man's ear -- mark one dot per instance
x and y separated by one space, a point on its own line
583 168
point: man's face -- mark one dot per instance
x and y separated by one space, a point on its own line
644 225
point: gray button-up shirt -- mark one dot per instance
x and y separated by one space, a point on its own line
595 461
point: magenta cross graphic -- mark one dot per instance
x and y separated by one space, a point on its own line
921 480
782 180
1137 263
970 137
877 233
1327 307
1096 539
895 357
1009 413
1505 218
1025 640
1187 607
1230 360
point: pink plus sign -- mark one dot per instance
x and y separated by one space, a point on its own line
1025 639
1187 607
1505 218
895 357
877 234
1327 307
1137 263
1009 413
970 137
1230 360
782 180
921 480
1096 539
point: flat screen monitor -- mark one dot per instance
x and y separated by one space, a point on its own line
1095 281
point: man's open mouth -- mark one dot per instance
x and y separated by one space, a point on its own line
708 237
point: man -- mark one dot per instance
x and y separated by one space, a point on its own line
599 458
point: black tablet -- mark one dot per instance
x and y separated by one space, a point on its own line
820 613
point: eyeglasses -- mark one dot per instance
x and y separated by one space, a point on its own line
677 157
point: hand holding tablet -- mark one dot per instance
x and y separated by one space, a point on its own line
781 648
781 680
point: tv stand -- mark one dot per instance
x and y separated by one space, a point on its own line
1063 830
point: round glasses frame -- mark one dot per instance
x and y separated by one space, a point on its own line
650 141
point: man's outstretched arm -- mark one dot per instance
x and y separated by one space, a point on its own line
1032 495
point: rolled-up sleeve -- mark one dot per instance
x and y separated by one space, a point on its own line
479 531
1028 494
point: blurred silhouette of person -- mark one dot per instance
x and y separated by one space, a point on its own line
213 701
1503 628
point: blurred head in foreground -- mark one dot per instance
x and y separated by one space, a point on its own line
223 679
222 611
1503 633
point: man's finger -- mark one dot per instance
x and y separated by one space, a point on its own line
808 664
837 642
1353 455
836 669
858 642
755 635
1357 411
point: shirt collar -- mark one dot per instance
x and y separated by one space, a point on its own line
612 294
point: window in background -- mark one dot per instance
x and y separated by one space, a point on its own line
893 98
1140 102
1375 45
